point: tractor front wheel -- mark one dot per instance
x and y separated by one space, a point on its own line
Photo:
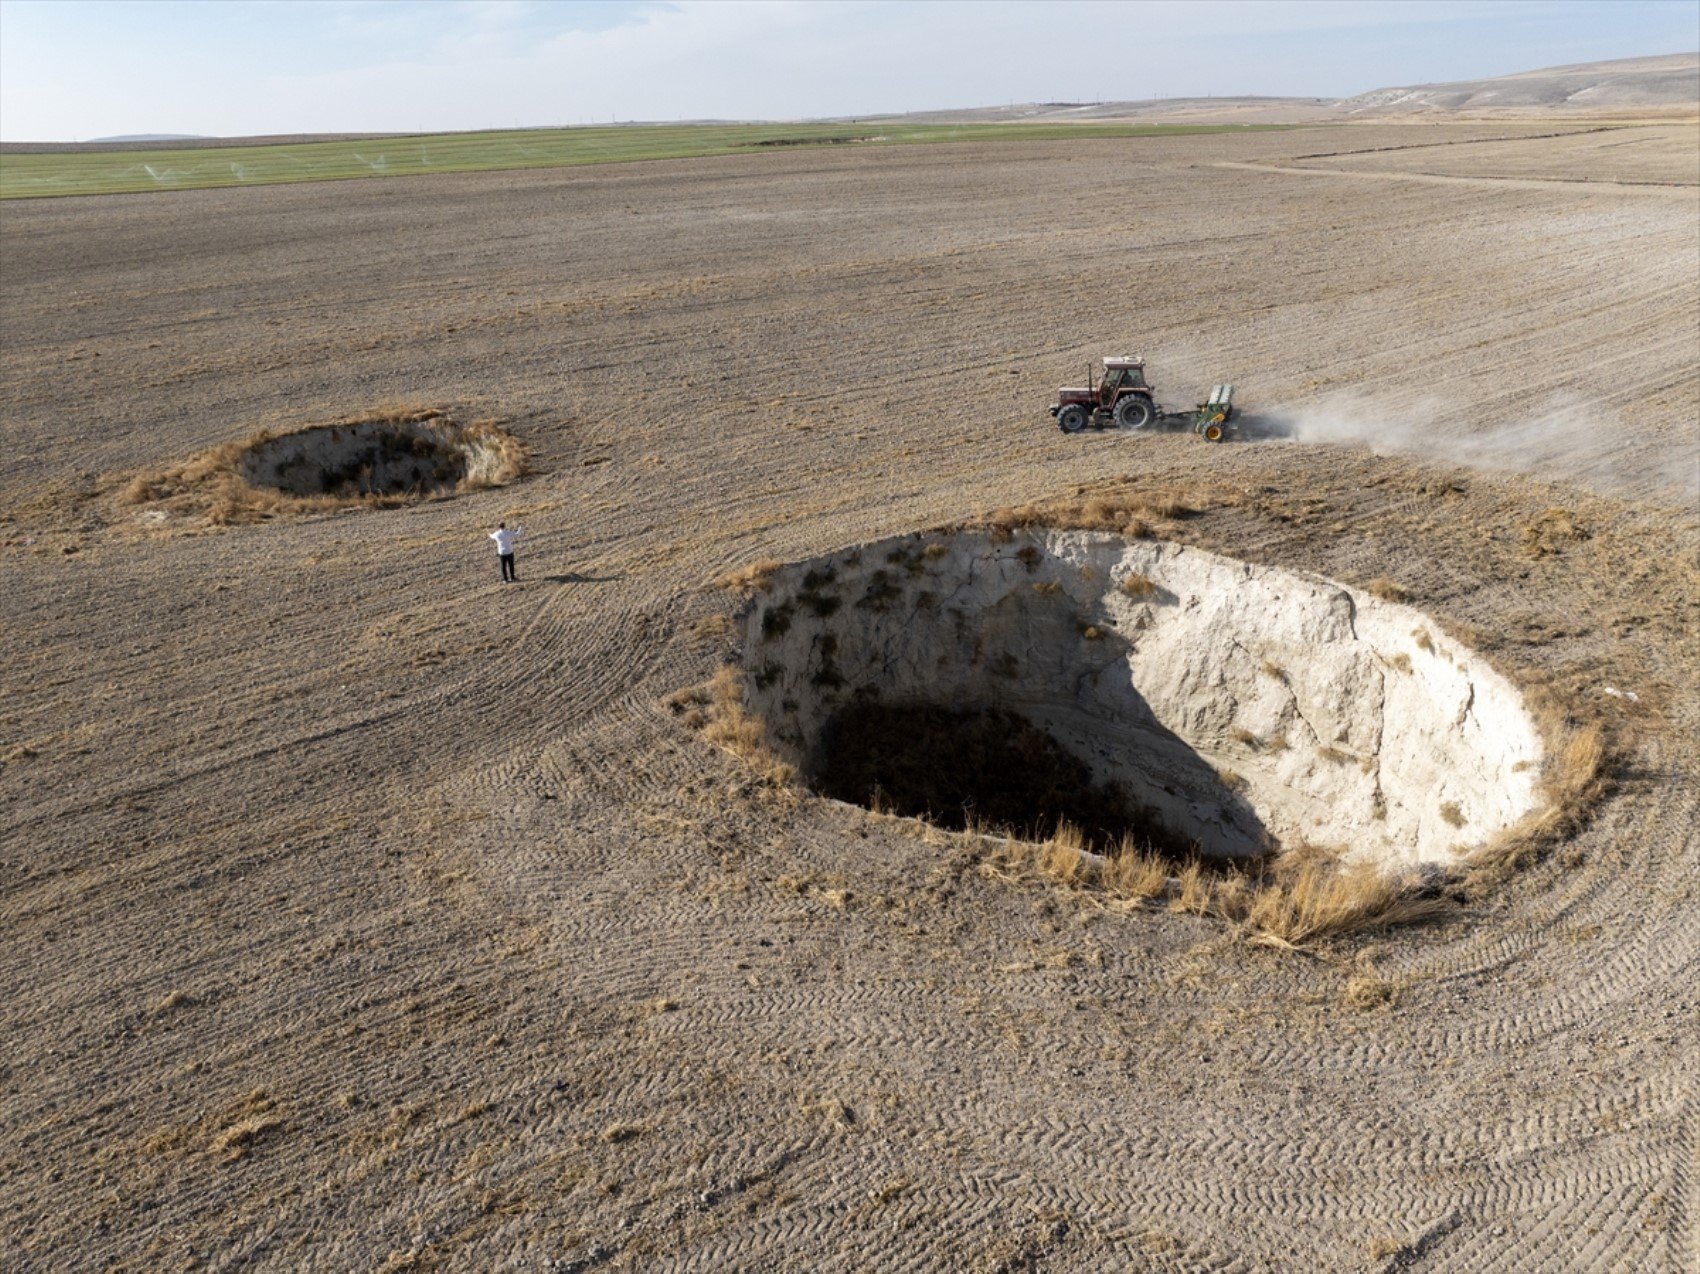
1072 418
1135 412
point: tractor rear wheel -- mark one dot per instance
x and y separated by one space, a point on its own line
1212 430
1072 418
1135 412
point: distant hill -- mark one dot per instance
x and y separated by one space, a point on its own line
1667 83
1671 81
151 137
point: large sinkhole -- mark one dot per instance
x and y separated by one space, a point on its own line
1134 688
417 455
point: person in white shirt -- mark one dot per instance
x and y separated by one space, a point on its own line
505 549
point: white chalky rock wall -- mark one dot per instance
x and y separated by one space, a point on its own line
1349 721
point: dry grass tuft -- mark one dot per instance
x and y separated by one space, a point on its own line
1298 898
1133 875
729 724
1368 989
717 709
172 1000
1272 669
1129 875
712 629
1120 507
1326 900
1192 890
1244 737
1137 585
1385 1246
1062 857
236 1141
1550 532
757 577
17 752
1450 812
1578 776
1387 590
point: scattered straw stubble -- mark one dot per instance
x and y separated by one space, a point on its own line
717 710
1387 590
1578 775
756 577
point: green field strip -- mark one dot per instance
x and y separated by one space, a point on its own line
47 174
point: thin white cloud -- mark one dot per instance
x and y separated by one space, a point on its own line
399 65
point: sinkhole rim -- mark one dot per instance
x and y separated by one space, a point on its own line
399 457
812 593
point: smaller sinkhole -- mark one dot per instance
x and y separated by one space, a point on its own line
1139 690
417 456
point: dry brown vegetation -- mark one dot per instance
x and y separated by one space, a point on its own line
1578 774
1309 898
755 577
1123 506
1387 590
1552 532
717 710
1369 989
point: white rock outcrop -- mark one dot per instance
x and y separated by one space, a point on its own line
1240 703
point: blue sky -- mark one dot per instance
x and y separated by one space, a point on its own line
75 69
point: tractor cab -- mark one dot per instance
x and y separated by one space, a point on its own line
1120 375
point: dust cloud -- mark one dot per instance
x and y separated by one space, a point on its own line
1569 439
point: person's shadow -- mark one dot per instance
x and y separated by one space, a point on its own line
573 577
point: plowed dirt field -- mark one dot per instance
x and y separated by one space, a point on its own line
360 911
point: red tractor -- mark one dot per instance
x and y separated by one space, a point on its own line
1123 399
